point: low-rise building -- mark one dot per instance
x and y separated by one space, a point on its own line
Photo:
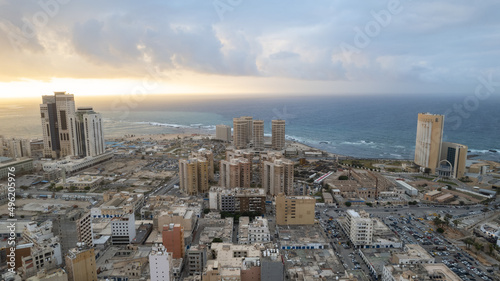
295 210
239 200
81 182
435 271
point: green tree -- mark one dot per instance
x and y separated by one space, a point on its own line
348 204
343 178
456 222
217 240
440 230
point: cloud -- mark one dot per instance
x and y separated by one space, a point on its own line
445 43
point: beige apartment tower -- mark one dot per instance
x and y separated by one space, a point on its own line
240 133
429 139
453 158
277 176
258 134
236 172
209 156
278 134
295 210
81 265
193 175
223 133
55 112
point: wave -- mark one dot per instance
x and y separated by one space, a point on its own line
483 151
164 125
361 142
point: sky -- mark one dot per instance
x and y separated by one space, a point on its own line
247 46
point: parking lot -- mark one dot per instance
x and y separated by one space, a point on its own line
408 225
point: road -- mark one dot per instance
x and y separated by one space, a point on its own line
410 231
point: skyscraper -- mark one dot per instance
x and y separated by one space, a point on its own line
86 133
240 133
258 134
429 139
223 133
278 134
55 111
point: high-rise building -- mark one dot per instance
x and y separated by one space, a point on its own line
223 133
453 158
249 133
209 156
240 133
15 148
86 133
123 229
55 111
81 265
277 176
278 134
258 134
173 240
72 227
429 139
295 210
236 172
194 175
160 264
359 227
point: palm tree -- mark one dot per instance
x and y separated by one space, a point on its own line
456 222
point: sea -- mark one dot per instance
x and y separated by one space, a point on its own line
361 126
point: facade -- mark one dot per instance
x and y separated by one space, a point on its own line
359 227
277 177
240 132
429 139
15 148
258 134
55 112
160 264
241 200
235 173
55 275
258 231
123 229
196 260
452 161
194 175
23 165
81 265
278 134
73 227
295 210
75 165
173 240
86 133
223 133
209 157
